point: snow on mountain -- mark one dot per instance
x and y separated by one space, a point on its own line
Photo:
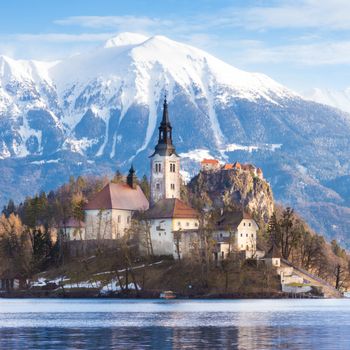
334 98
129 69
98 111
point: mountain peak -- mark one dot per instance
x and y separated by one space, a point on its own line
125 39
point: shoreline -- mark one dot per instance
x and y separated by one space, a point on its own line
151 295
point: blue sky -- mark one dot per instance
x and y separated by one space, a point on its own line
300 43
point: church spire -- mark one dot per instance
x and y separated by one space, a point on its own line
131 179
165 140
165 119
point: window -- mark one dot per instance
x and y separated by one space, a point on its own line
172 167
128 220
179 223
187 224
241 234
172 186
243 223
246 234
157 186
119 219
158 168
250 224
196 224
252 234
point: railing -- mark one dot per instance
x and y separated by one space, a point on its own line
309 274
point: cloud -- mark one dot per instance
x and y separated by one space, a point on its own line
321 53
121 23
334 14
60 37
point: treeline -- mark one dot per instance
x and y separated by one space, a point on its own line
29 239
297 243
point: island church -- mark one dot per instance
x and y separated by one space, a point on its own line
173 225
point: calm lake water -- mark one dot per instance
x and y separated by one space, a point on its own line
177 324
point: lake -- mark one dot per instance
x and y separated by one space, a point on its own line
174 324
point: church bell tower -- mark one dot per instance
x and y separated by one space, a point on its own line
165 163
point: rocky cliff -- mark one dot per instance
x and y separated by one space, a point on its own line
234 188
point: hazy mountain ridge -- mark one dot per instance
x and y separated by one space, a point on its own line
98 111
336 98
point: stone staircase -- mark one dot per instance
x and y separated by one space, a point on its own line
328 290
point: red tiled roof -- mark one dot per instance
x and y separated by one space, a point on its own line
210 161
233 219
171 208
246 215
119 196
237 165
259 170
228 166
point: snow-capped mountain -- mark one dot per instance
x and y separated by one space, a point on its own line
98 111
335 98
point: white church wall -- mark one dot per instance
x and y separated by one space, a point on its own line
106 224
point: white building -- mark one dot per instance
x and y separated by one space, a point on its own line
171 222
165 163
236 231
73 230
108 215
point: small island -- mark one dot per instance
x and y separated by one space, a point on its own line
220 235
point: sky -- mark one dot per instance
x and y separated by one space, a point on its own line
300 43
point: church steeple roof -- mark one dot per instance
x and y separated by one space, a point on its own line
165 119
165 140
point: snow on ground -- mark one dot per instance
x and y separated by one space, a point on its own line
113 286
84 284
236 147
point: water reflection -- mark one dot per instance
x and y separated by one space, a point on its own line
173 338
245 325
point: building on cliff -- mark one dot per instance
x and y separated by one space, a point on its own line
214 165
210 165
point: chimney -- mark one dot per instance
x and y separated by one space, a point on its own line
131 179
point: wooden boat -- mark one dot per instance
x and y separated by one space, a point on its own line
167 294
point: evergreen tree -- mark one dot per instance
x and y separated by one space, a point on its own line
9 209
144 184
